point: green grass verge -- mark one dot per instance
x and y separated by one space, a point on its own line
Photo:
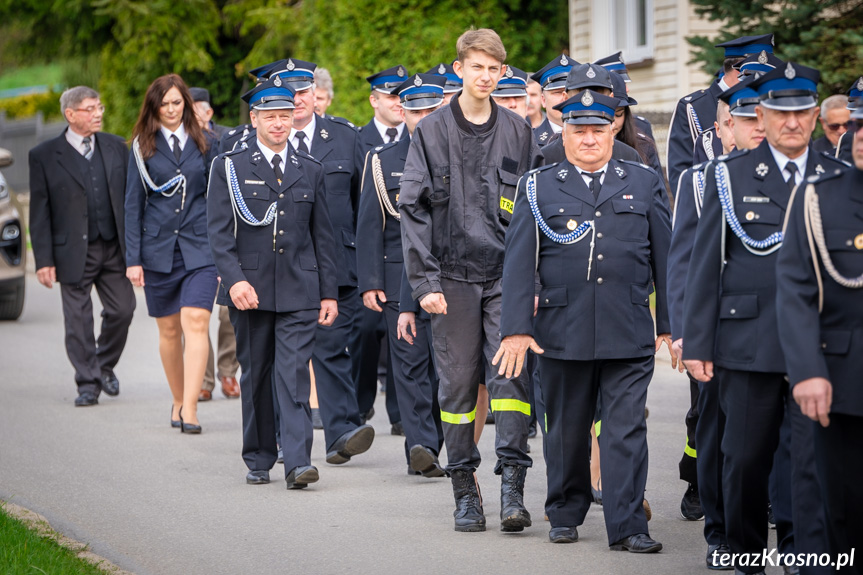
47 75
24 551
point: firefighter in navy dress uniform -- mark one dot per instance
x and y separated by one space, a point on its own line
273 245
819 281
597 230
730 316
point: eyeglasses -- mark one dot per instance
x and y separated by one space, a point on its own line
91 109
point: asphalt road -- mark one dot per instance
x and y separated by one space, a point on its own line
153 501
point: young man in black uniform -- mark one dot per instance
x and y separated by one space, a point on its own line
272 242
381 267
597 232
457 193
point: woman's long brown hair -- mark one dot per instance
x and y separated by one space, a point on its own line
148 124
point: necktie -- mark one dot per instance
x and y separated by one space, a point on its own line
177 150
595 183
391 134
277 167
301 142
88 149
791 168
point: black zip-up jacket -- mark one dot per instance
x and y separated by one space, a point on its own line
454 178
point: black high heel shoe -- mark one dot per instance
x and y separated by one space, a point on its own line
174 422
188 427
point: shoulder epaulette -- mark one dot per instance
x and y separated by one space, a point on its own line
639 164
306 156
342 121
817 178
834 159
733 155
234 151
541 168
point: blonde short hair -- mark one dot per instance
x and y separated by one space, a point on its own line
483 40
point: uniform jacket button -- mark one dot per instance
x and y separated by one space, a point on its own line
281 251
599 235
178 170
598 213
177 211
281 195
282 213
733 311
599 280
176 231
600 257
281 232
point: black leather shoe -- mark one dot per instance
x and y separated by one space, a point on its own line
596 493
317 422
397 429
413 472
110 384
563 535
638 543
690 505
367 415
714 560
531 430
86 398
175 423
258 477
425 462
301 476
351 443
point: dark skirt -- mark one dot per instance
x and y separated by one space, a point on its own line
167 293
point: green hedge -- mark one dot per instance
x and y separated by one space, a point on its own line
29 105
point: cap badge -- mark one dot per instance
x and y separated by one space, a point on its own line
561 175
819 169
508 72
860 84
418 81
563 60
587 99
762 57
401 72
762 169
441 70
325 134
858 242
790 72
277 82
571 225
619 171
590 73
291 65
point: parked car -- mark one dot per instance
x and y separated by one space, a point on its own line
13 250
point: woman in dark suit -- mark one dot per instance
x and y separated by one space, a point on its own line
167 251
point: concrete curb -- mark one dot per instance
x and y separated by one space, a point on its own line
40 524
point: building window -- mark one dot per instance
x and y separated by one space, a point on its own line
625 26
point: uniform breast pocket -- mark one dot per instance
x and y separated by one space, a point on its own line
738 327
563 218
304 199
440 186
337 174
846 250
631 224
759 219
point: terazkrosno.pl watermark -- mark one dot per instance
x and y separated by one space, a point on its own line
772 558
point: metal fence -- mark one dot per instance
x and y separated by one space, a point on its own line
19 137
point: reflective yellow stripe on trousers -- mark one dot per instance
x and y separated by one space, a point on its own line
458 418
510 405
688 450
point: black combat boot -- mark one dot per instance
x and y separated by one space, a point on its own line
468 509
513 515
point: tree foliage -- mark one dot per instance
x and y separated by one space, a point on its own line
213 43
823 34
